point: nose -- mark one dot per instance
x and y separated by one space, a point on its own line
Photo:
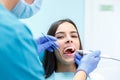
69 40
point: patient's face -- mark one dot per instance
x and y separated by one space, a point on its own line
68 41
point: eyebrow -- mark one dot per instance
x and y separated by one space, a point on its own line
64 32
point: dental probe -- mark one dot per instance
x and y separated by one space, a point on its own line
83 52
54 46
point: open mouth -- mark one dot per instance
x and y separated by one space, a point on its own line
69 50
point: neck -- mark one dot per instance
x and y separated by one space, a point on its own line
66 68
9 4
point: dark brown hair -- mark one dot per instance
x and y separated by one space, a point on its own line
50 61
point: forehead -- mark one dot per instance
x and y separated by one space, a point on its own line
66 27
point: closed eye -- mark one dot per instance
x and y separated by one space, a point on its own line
74 36
60 37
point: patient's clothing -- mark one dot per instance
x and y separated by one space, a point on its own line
70 75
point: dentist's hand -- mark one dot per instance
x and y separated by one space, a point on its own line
88 62
44 44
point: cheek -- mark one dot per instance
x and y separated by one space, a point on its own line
57 54
60 43
77 45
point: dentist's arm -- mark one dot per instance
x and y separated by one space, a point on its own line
80 75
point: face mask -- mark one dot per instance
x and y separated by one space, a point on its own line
24 10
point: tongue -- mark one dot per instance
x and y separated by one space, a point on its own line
68 52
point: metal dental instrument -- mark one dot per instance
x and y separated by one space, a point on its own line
51 42
83 52
108 57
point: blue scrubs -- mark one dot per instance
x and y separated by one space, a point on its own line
41 56
18 50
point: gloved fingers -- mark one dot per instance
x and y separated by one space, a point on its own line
50 49
40 49
77 61
43 46
97 59
95 63
78 56
96 53
53 46
43 39
55 43
52 38
47 46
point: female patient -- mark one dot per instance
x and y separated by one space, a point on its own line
60 64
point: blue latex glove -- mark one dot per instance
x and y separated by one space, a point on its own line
44 44
88 62
78 57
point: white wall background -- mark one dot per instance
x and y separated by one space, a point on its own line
52 10
102 32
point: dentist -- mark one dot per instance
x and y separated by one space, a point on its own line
18 49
